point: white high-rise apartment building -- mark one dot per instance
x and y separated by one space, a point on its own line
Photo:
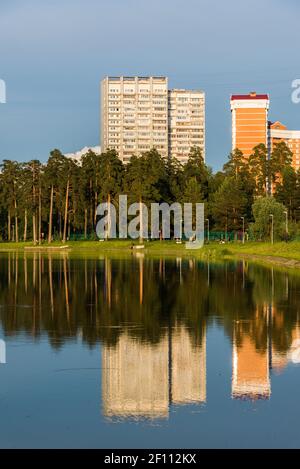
186 123
134 115
139 113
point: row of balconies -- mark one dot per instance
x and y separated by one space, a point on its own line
176 104
137 128
137 104
140 91
184 126
146 125
129 92
137 117
133 147
186 136
173 138
142 134
139 136
137 100
136 113
133 139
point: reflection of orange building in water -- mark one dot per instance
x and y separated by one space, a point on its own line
250 378
141 380
188 368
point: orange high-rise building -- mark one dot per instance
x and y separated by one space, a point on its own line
249 121
280 133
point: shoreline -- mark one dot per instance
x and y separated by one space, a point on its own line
280 254
278 261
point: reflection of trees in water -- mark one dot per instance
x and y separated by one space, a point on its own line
101 298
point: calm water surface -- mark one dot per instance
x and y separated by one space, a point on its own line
137 352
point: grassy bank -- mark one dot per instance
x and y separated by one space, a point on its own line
285 250
288 251
281 254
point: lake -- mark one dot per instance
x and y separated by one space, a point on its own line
104 351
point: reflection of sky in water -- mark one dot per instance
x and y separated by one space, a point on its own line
136 352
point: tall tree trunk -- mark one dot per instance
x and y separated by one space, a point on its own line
9 225
66 212
34 218
40 215
91 205
60 223
50 215
141 220
108 231
95 210
34 227
85 223
16 222
74 218
25 225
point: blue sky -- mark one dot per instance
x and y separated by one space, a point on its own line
54 53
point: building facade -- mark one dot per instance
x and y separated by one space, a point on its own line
140 113
186 123
279 133
134 115
249 121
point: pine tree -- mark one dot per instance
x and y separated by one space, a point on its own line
287 193
236 163
229 205
281 158
259 166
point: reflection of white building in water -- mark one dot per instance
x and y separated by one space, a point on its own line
188 368
141 379
281 359
135 379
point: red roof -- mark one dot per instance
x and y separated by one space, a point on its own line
249 96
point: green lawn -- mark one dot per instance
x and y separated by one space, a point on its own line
285 250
